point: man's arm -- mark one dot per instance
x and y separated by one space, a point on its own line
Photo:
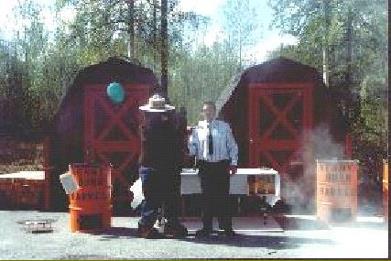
232 147
193 143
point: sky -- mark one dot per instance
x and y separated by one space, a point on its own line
268 39
9 22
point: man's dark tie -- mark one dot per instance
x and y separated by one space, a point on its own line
210 138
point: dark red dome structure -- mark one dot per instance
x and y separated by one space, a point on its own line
274 108
88 126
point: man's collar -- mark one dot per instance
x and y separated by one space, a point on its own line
204 123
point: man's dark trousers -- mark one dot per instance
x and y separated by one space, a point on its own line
215 194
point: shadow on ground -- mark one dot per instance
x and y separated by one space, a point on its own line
267 241
294 223
241 240
117 232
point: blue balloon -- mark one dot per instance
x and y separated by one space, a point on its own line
116 93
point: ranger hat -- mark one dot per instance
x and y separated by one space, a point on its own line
156 103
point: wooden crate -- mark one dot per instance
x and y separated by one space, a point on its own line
28 195
21 193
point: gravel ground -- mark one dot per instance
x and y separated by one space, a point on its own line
366 238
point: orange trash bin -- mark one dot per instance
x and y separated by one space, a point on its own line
336 190
90 206
385 189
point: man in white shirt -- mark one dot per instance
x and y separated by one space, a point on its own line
213 145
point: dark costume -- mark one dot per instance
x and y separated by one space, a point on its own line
160 165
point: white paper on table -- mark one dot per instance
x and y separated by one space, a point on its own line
190 181
256 171
189 171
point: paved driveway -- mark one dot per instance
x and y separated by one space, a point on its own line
306 239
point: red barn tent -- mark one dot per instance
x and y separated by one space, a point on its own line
274 108
88 126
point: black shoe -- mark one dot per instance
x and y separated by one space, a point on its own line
203 233
176 231
149 232
228 233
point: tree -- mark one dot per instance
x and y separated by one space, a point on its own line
201 75
240 25
11 92
134 23
164 46
356 38
37 70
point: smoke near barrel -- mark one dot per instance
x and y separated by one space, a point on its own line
300 188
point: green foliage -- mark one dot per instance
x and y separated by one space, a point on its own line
201 76
36 71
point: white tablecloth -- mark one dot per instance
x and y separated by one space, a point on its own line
190 182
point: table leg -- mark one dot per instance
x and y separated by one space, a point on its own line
239 208
183 206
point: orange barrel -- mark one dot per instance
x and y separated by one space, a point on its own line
336 190
385 188
90 206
